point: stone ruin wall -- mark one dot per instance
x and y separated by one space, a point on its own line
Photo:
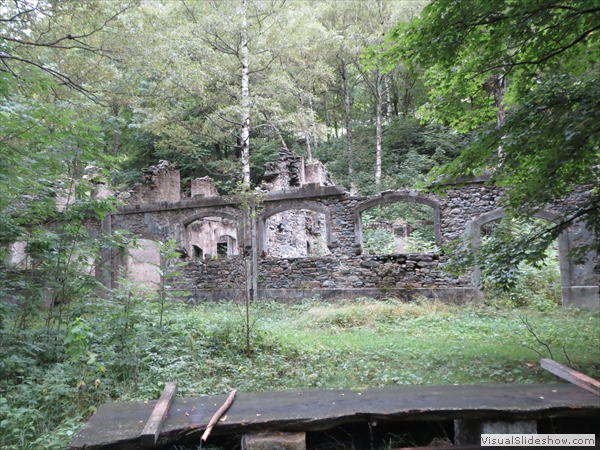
334 217
296 233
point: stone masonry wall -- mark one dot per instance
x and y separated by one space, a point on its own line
402 271
345 269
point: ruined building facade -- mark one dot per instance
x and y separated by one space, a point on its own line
310 238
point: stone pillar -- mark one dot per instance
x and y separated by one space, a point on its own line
204 187
581 289
162 185
276 440
316 173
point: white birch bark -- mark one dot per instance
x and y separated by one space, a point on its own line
245 133
348 127
379 99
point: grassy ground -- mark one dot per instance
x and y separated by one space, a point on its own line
52 380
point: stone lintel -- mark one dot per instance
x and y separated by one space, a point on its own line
310 191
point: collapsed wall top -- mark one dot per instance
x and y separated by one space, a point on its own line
162 185
291 171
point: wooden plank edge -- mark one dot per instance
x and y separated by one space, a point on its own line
570 375
159 415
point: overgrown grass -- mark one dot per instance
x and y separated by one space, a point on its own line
51 382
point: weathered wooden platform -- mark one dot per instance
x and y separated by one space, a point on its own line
119 425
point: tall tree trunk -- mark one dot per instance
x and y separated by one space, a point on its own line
348 126
116 134
500 89
245 133
313 124
254 249
499 93
306 130
379 99
388 99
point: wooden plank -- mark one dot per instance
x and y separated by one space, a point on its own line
118 425
572 376
159 415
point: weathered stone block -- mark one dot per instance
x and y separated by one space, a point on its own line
369 263
274 441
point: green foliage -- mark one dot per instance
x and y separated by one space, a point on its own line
410 151
548 54
534 288
379 241
526 272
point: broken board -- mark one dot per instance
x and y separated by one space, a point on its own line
119 425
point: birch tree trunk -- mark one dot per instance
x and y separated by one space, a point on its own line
379 99
245 133
312 119
388 99
348 126
306 131
116 134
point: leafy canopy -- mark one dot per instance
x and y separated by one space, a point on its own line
548 53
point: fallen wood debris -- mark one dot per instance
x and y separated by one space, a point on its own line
572 376
218 414
159 415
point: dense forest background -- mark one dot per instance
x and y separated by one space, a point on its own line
122 85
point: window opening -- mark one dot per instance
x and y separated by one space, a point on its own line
221 249
197 252
399 227
212 236
538 286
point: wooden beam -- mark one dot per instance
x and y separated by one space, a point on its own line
158 416
572 376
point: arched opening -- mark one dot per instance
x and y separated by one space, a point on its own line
544 285
296 233
398 228
294 229
397 223
211 236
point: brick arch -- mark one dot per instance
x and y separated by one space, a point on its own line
395 198
272 209
223 213
473 232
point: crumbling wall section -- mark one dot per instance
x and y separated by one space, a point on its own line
203 187
162 184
